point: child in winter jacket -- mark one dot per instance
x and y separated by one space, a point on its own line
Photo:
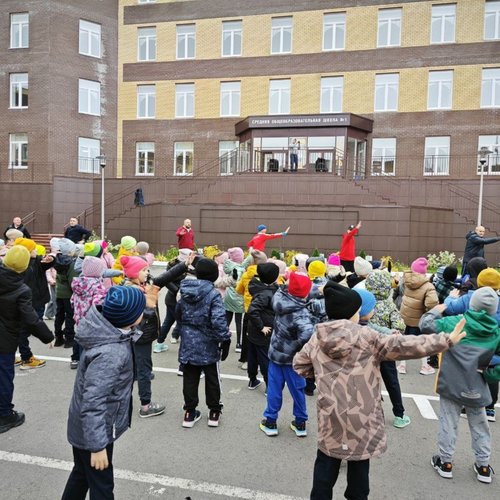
345 359
262 287
127 248
99 411
462 380
444 282
203 328
292 329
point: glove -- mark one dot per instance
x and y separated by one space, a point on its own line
111 273
235 274
224 349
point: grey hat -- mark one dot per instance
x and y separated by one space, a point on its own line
362 267
484 299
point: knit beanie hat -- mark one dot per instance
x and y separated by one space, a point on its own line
54 244
66 246
310 260
484 299
92 249
281 265
128 242
41 250
17 259
299 285
93 267
419 265
300 260
184 254
340 302
207 269
368 301
13 234
489 277
268 272
123 305
259 257
261 227
317 269
30 245
334 259
132 265
142 247
236 255
362 267
450 273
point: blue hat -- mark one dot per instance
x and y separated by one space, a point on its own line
261 227
368 301
123 305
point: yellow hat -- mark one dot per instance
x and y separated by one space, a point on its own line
41 250
17 259
30 245
489 277
316 269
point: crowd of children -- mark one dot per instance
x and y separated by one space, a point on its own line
312 325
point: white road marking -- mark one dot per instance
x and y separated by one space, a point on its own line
153 479
425 407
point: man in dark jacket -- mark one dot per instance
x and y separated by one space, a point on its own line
17 224
75 232
15 304
475 245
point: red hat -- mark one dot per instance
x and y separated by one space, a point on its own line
299 285
132 266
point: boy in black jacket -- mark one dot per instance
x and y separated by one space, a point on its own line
261 319
15 304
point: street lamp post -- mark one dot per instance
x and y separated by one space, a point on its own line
483 158
102 164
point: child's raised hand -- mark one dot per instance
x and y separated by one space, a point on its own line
99 460
458 334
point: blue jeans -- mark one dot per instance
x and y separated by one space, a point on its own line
143 367
277 375
167 324
6 383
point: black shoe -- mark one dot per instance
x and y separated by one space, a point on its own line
73 364
309 392
15 419
68 344
483 473
213 418
253 384
190 418
443 469
59 342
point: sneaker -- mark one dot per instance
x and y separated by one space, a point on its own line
152 376
268 428
73 364
32 363
309 392
59 342
173 340
253 384
483 473
427 370
237 348
400 422
433 361
299 429
402 369
190 418
244 366
213 418
15 419
443 469
49 318
180 372
491 415
463 413
68 344
160 347
18 361
151 410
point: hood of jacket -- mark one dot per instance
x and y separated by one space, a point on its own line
414 280
9 280
95 330
480 323
82 286
335 338
469 234
195 290
284 303
256 286
475 266
379 283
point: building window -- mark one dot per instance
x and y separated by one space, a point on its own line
19 90
184 100
186 39
334 31
146 101
279 97
492 142
89 97
383 156
389 28
281 35
145 158
19 31
228 157
146 44
90 39
18 157
443 23
230 93
490 88
183 158
437 156
440 90
331 94
492 21
232 32
88 151
386 92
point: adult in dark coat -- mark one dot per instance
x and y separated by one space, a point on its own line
75 232
475 245
17 224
